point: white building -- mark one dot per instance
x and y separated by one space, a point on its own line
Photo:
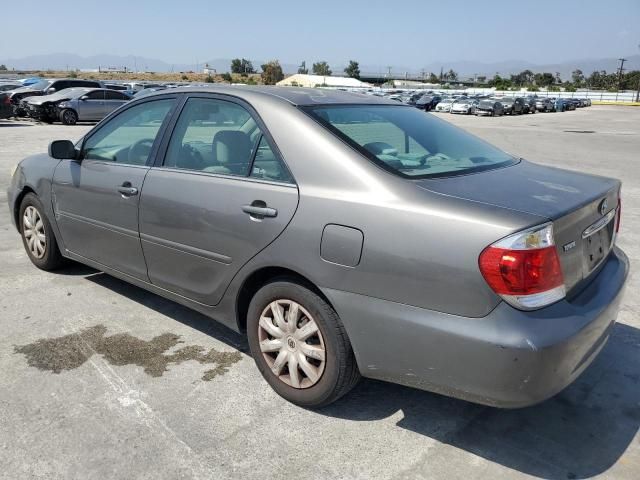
302 80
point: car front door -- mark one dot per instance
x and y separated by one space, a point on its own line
222 194
91 106
96 198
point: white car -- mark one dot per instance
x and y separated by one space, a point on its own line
464 105
445 105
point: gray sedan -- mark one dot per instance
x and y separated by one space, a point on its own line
345 235
74 105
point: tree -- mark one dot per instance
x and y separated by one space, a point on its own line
227 77
451 76
499 83
433 78
545 79
577 77
481 79
321 68
3 67
302 69
271 72
242 66
353 70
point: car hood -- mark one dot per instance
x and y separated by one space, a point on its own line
27 90
526 187
40 99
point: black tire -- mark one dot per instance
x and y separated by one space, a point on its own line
51 259
68 117
340 373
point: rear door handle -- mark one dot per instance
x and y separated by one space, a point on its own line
259 211
127 190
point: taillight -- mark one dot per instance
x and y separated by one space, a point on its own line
524 268
618 214
7 100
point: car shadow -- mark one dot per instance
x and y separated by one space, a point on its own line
182 314
579 433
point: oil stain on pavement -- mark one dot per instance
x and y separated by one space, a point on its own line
71 351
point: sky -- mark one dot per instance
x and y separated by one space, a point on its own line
405 32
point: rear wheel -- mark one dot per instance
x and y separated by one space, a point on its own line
300 345
69 117
37 235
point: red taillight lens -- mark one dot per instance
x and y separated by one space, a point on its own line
524 268
521 272
7 100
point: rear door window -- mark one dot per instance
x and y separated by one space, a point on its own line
222 137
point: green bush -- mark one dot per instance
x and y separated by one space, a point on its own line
227 77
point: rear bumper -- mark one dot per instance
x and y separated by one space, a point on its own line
508 359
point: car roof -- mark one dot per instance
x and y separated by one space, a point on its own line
293 95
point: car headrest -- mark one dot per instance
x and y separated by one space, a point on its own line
231 146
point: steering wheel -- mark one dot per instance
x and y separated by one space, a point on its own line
139 151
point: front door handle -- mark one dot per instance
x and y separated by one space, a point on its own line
259 209
127 190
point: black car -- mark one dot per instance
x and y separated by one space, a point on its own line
46 87
513 105
529 105
6 109
428 102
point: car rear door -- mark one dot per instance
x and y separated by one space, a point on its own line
221 195
113 100
96 199
91 106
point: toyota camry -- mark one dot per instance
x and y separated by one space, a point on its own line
346 235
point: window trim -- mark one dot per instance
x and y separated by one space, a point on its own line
168 134
308 110
120 111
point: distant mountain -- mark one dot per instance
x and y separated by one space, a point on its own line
64 61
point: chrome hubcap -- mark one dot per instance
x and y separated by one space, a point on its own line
291 343
33 231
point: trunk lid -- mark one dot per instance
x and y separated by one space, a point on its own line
576 203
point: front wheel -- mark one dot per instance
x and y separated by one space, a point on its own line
69 117
300 345
37 235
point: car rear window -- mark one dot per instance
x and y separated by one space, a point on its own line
409 142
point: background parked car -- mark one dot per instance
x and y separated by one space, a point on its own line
544 105
445 104
560 104
46 87
489 107
464 105
570 103
428 102
512 105
529 105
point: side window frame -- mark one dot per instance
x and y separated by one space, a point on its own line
159 137
171 128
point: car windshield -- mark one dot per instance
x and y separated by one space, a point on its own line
409 142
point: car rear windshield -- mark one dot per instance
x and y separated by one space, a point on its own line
409 142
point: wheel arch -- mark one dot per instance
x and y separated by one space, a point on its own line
259 278
16 206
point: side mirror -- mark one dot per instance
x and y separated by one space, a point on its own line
62 150
84 97
50 90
